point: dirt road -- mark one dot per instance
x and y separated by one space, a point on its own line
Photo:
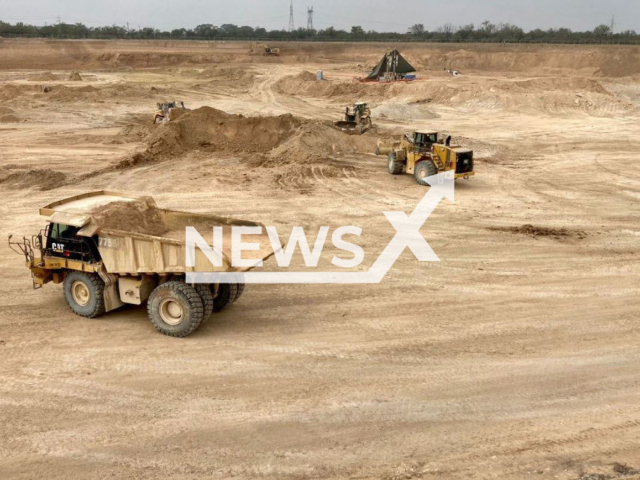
516 356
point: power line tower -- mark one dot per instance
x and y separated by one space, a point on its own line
291 25
309 18
613 23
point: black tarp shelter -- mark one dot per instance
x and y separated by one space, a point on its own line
391 62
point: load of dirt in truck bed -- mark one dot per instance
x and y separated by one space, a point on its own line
283 138
137 216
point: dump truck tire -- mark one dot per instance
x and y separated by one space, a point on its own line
393 165
240 291
227 294
84 293
207 299
175 309
423 170
377 151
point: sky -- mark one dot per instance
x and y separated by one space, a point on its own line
380 15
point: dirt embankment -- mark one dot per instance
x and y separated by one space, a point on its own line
577 60
41 178
545 94
58 93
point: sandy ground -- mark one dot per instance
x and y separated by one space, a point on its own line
515 357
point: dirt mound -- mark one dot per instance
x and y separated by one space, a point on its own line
5 110
75 77
10 118
44 77
306 84
401 111
138 216
91 94
44 178
213 130
538 231
306 76
10 92
279 139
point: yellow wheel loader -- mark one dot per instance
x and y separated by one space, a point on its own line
422 154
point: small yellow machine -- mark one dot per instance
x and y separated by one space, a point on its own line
265 49
163 111
422 154
357 119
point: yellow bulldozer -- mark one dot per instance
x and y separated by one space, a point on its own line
357 119
423 154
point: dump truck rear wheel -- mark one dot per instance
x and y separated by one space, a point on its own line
393 165
207 299
240 291
84 293
227 294
423 170
175 309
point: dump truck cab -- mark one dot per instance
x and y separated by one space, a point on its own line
63 241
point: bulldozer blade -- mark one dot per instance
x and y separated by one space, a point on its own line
348 127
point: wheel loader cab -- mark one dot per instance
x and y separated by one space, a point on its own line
63 241
422 141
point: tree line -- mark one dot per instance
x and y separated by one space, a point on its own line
486 32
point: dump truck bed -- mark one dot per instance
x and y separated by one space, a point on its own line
134 236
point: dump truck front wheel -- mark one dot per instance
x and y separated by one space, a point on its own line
175 309
84 293
227 294
393 165
423 170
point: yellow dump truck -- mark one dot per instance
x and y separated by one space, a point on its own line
109 249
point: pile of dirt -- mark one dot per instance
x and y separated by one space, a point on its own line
91 94
306 84
138 216
44 178
44 77
538 231
10 118
75 77
403 111
274 140
11 92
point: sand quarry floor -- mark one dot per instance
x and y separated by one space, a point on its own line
514 357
